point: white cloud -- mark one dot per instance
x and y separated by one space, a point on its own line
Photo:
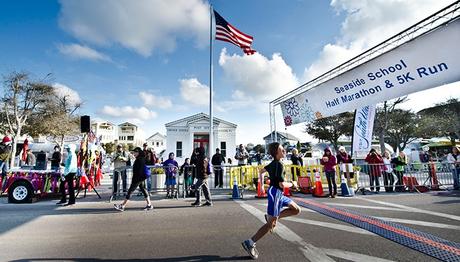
141 25
194 92
258 76
71 95
150 100
135 114
367 23
82 52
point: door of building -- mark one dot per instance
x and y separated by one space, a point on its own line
201 141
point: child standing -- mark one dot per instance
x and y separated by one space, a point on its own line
171 167
276 199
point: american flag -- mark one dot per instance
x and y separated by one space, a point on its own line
228 33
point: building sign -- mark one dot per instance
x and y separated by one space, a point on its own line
428 61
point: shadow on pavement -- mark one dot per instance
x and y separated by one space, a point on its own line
171 259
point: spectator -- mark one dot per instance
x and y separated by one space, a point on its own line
296 161
329 162
388 178
276 199
241 155
454 160
70 169
203 170
30 160
375 162
139 175
400 162
171 167
5 154
120 160
229 161
187 170
345 163
217 161
150 160
259 158
56 158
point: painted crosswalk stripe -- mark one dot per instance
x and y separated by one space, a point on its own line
310 252
413 209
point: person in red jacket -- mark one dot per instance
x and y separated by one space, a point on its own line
329 162
375 162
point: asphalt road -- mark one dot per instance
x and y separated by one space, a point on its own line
175 231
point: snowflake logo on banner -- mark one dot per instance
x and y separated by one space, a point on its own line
288 121
306 113
292 107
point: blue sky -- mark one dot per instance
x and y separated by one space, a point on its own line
148 61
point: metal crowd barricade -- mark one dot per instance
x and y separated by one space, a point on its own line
416 177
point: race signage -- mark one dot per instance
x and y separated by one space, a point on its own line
428 61
362 131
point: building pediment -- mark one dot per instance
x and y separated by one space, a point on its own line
200 119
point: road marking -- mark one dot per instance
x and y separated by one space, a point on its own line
310 252
352 256
367 207
413 209
351 229
420 223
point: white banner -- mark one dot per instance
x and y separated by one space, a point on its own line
362 131
428 61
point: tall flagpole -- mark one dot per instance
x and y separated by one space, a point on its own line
211 130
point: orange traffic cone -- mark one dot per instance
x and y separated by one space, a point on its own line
287 191
261 190
318 192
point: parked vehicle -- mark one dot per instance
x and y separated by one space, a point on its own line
23 185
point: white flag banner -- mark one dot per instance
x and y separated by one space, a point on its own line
428 61
362 131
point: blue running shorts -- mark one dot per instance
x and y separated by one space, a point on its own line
276 201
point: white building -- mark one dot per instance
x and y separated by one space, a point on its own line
281 138
157 142
105 130
191 132
129 134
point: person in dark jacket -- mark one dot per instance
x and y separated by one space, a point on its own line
202 171
139 176
375 162
329 162
56 158
217 161
296 161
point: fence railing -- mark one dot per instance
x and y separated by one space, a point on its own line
433 175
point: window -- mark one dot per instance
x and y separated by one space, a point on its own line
161 143
158 143
179 149
223 148
120 138
130 138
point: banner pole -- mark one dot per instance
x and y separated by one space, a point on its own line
211 131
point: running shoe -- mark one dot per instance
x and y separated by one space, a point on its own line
252 251
148 207
195 204
119 207
209 204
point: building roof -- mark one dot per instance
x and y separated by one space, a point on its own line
282 135
198 117
157 134
127 124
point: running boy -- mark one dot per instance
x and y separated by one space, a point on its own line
276 199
